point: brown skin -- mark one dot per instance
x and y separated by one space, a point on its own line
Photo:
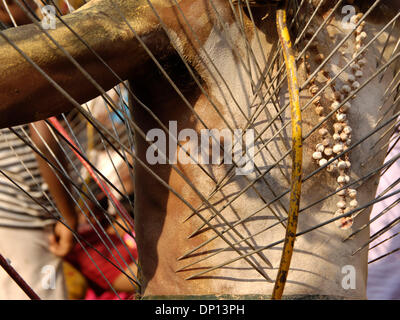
61 241
19 15
122 283
97 22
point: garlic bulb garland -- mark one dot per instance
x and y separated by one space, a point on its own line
326 150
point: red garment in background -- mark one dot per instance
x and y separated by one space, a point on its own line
80 259
108 295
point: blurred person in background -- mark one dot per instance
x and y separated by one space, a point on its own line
31 237
88 261
105 280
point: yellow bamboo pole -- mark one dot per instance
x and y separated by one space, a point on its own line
297 152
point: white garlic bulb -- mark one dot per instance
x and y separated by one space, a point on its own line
323 132
338 148
346 89
353 204
354 19
352 193
314 89
347 129
351 78
355 66
359 29
328 151
361 36
326 142
340 179
317 100
335 105
341 204
320 147
317 155
359 74
341 117
343 179
342 165
322 162
341 192
355 85
319 110
338 127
